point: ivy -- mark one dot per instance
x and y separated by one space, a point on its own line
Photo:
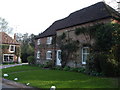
63 36
103 38
68 48
78 31
4 46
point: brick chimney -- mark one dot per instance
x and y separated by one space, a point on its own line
118 6
15 36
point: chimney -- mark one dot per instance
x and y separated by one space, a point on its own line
15 36
118 6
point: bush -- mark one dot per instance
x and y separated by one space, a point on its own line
66 68
110 68
49 64
41 65
94 73
58 68
30 60
74 69
82 70
102 64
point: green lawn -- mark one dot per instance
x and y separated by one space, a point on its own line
42 78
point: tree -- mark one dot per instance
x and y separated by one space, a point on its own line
105 53
4 26
27 46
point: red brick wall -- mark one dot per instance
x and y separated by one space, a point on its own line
43 47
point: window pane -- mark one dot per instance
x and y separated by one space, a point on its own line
5 58
38 42
12 48
49 40
10 58
59 55
38 54
85 53
85 50
84 57
48 55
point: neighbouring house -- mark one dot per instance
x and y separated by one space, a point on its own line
10 48
48 45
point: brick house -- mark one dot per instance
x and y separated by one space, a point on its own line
46 44
10 48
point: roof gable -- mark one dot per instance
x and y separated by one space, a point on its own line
6 39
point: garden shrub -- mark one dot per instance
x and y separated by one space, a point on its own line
41 65
73 69
82 70
30 60
57 68
110 68
49 64
102 64
66 68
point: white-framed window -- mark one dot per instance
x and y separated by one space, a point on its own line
38 42
8 57
85 53
38 55
12 48
49 40
58 58
49 55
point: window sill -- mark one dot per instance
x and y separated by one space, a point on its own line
84 63
11 51
49 58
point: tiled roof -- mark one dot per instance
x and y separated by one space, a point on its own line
6 39
92 13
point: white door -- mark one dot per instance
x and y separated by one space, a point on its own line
58 58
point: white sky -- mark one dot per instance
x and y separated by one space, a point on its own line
34 16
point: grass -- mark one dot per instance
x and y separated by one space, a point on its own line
42 78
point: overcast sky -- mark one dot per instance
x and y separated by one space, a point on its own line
34 16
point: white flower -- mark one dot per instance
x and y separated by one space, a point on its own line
52 88
15 79
27 84
5 75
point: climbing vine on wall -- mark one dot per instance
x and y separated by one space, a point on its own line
104 53
68 48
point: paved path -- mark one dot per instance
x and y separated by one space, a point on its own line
11 65
7 86
12 84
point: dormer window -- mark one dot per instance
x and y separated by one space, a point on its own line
49 40
38 42
12 48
